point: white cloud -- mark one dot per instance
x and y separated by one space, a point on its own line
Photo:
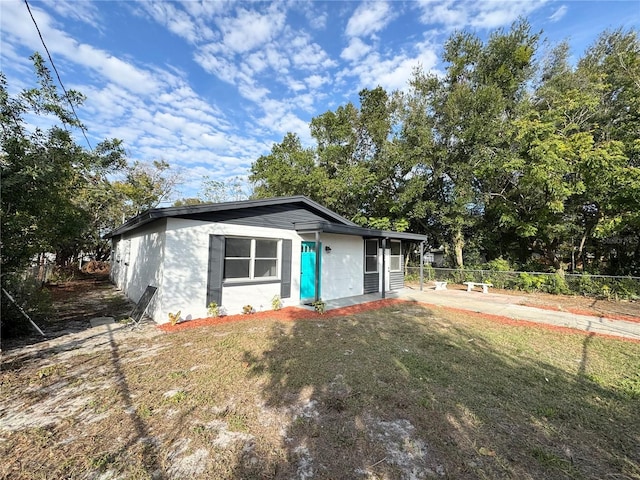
559 13
356 49
208 59
252 92
446 13
85 12
250 29
296 85
391 73
310 56
316 81
486 14
369 18
180 22
17 25
204 9
316 17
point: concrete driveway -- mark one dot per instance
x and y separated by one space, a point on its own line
508 306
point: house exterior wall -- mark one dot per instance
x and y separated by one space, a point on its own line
174 255
186 263
342 268
137 262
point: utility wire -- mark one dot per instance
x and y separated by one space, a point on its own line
66 95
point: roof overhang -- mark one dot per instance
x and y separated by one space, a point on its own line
326 227
158 213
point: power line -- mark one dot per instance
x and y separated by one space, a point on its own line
66 95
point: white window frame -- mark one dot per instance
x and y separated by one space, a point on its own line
252 261
391 257
370 256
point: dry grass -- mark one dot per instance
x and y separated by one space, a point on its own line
401 392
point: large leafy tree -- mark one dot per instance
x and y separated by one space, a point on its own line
458 130
353 169
500 155
46 175
576 179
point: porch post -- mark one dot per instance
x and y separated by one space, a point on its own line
384 270
421 264
317 275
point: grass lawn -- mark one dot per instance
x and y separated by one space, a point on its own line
400 392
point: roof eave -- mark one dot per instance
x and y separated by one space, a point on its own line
326 227
156 213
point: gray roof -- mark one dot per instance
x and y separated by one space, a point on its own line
284 211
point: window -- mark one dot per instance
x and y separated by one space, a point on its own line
395 259
250 258
371 256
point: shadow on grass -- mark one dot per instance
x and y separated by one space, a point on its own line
401 393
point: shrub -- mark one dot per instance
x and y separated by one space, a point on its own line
627 288
276 302
174 318
531 283
499 265
247 310
320 307
213 310
556 284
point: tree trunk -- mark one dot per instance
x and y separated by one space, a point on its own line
458 245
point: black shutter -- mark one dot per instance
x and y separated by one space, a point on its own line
216 269
285 285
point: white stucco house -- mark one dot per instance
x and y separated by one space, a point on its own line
247 252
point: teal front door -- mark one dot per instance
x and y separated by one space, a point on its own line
308 272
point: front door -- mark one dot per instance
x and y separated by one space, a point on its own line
308 271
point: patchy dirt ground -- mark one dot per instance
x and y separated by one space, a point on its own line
370 395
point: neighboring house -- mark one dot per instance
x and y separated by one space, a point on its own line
245 253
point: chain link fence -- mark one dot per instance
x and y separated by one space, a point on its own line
602 286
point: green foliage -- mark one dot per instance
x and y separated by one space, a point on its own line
499 265
276 302
52 188
530 282
213 310
174 318
556 284
320 306
501 155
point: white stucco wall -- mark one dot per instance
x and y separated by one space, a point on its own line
186 263
173 254
342 268
137 263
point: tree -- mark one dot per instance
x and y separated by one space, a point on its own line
145 186
288 170
458 130
216 191
354 168
46 175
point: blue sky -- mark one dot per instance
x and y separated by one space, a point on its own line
210 86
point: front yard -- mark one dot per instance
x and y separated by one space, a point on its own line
400 392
